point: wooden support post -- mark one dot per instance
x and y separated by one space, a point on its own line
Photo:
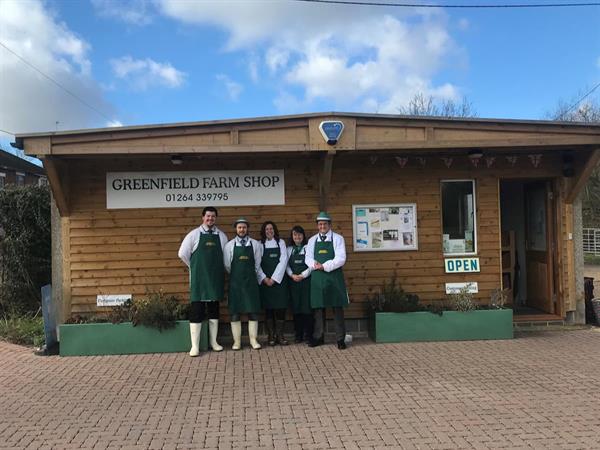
65 228
58 178
325 179
234 137
583 176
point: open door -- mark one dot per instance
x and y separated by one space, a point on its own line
539 246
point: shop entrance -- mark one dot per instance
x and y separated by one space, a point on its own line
528 250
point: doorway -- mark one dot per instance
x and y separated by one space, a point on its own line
528 255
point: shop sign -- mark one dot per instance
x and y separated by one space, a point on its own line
455 288
461 265
194 189
112 299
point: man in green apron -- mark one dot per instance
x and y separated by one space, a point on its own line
202 251
242 256
326 254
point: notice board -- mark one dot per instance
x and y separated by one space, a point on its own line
389 227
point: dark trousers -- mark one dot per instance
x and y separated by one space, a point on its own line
274 320
200 310
340 326
303 326
237 317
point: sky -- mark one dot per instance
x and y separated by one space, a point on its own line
140 62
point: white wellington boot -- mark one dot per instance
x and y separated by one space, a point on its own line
195 329
213 329
236 331
252 334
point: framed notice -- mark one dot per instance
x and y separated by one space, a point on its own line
391 227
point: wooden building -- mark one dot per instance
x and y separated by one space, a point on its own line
499 191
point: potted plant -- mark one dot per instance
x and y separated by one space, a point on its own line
397 316
151 324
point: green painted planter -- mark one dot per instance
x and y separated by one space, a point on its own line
91 339
450 326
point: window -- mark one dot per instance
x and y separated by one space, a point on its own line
459 217
20 179
2 179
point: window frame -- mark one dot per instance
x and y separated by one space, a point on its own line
475 214
18 176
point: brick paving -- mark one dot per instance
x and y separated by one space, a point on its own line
541 390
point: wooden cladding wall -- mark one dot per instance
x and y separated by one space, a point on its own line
135 250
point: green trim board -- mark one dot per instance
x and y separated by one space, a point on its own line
450 326
93 339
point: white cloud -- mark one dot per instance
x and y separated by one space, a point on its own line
145 73
30 101
114 123
349 57
233 88
276 58
134 12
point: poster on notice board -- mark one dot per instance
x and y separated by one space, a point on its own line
390 227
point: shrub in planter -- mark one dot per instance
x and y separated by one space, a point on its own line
392 298
459 319
156 310
145 325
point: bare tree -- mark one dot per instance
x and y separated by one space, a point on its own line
422 105
587 110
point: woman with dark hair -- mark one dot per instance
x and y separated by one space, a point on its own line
273 290
299 272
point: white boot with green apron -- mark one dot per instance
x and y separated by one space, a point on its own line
206 285
243 294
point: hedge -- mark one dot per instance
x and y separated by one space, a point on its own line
25 247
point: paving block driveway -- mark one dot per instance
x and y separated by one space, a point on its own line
541 390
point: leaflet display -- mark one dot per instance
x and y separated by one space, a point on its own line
385 227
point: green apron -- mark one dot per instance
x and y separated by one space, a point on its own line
327 289
243 285
299 290
276 296
207 273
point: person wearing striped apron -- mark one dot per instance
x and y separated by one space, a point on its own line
242 256
326 254
274 293
202 251
299 285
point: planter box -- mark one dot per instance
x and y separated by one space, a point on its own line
90 339
450 326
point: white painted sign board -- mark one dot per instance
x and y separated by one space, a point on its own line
461 265
112 299
454 288
194 189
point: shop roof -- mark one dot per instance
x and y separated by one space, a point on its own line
289 133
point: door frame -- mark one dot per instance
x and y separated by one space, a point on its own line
553 229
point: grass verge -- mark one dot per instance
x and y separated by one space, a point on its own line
22 330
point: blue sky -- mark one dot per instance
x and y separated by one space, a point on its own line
160 61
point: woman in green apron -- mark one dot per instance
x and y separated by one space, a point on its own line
273 290
242 257
202 251
299 285
326 254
